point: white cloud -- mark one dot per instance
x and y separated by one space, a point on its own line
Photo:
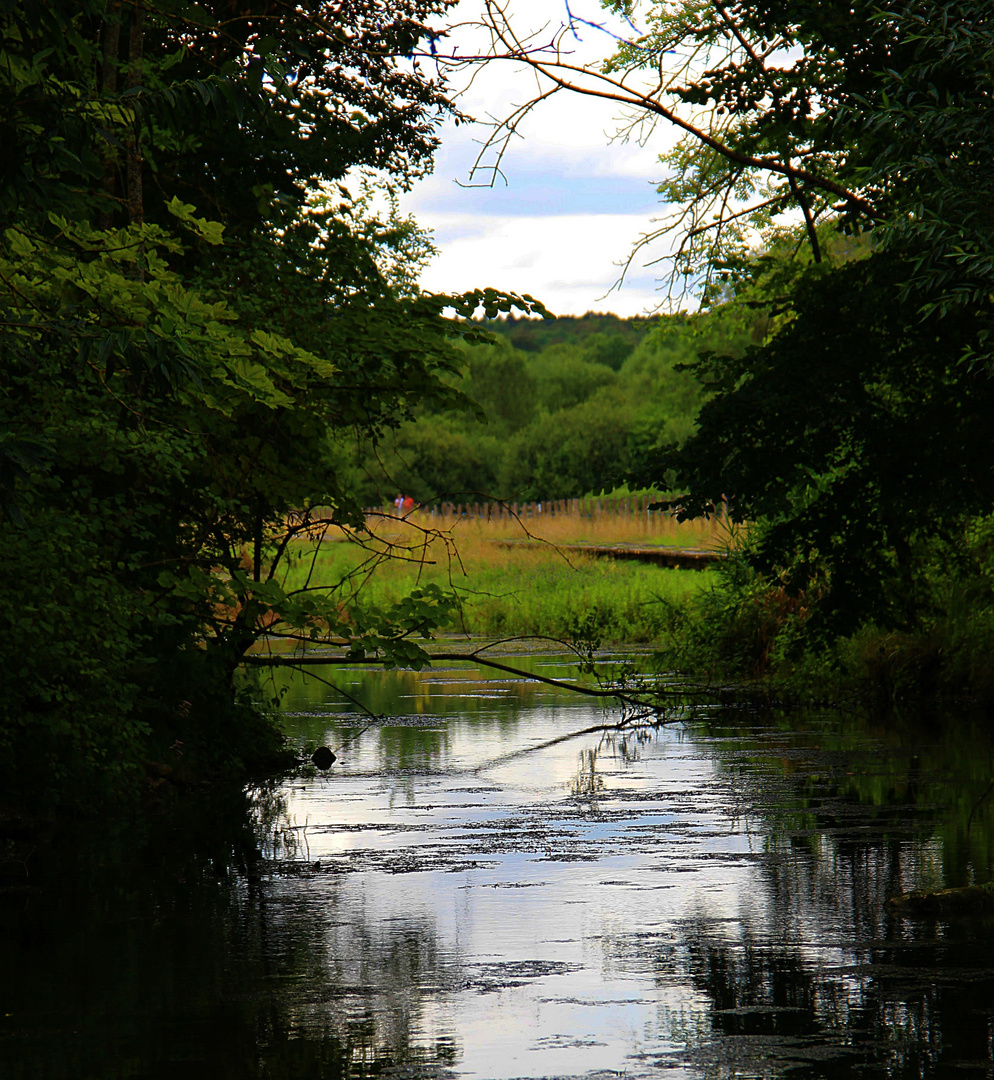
573 204
568 261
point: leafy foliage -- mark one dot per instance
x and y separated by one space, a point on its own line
193 319
598 338
555 422
853 431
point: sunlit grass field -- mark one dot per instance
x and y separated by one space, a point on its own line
517 589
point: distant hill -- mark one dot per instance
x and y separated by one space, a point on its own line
618 336
572 406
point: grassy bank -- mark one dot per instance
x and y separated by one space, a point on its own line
516 590
725 625
937 642
584 523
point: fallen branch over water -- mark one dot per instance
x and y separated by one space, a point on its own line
627 697
620 726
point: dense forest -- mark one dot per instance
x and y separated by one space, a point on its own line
557 408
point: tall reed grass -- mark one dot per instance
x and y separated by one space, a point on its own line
571 528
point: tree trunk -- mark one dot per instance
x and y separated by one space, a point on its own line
136 43
111 36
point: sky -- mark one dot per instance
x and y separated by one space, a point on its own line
572 204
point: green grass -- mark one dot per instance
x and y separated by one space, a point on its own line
512 591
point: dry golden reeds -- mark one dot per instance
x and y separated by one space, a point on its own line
605 528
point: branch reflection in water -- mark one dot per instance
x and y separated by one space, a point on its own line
475 889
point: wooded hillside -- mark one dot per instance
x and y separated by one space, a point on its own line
567 407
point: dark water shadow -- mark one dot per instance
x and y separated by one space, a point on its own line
165 949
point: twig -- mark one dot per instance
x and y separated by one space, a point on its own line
476 657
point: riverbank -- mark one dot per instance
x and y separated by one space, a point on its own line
725 625
783 643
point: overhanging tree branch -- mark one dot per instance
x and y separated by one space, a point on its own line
476 657
547 62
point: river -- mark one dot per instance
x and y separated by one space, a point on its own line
494 882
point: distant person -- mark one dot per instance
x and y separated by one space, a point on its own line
407 504
399 503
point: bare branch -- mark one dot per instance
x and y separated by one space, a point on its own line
651 78
476 657
547 62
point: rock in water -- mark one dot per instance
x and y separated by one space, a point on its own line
323 758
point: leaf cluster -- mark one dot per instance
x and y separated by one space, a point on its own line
194 320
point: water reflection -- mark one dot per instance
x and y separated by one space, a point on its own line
826 982
907 1003
492 882
587 782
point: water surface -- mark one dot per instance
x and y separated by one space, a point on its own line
495 882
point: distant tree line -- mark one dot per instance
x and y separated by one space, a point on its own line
563 408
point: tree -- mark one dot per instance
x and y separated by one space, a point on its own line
174 374
853 435
830 190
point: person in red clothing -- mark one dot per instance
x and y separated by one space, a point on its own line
407 505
